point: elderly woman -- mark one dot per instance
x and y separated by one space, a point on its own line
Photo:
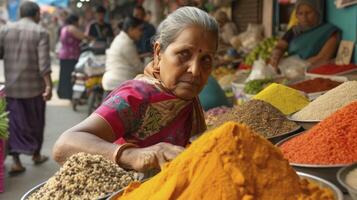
147 121
311 39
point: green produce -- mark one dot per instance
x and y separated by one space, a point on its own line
262 50
4 120
255 86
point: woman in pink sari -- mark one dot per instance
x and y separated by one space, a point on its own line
148 121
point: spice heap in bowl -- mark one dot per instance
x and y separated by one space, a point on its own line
230 162
261 117
327 147
328 103
315 85
286 99
84 176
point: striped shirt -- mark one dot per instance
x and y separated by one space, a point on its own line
25 49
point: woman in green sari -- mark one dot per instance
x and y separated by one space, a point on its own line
311 39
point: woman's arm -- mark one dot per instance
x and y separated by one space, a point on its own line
278 52
78 33
327 52
93 135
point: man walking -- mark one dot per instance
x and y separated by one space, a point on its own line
25 49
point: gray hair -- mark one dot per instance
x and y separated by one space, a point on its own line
180 19
29 9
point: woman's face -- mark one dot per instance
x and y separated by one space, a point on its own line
307 16
135 33
187 62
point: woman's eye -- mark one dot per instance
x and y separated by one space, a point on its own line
184 55
207 59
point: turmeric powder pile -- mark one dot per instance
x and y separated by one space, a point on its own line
229 162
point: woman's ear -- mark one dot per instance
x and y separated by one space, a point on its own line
157 52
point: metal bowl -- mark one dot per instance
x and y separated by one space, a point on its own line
327 172
32 190
120 192
323 183
37 187
275 139
116 195
341 177
306 124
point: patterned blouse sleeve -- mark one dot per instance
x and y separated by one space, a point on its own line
124 108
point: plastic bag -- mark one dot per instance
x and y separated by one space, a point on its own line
251 38
293 67
261 71
90 64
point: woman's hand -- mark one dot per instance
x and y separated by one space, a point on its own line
142 159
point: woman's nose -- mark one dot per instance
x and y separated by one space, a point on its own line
194 68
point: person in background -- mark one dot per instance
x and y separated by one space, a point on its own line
302 39
101 31
148 121
25 49
227 28
199 4
122 59
148 16
144 44
69 53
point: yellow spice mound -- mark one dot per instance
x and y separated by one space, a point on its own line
285 99
227 163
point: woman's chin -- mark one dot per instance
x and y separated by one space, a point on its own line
185 93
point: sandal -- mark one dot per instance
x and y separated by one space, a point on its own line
39 159
16 170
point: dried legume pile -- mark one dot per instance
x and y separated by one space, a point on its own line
260 116
213 114
85 176
332 141
316 85
330 102
286 99
351 179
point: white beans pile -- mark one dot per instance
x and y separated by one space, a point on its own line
85 176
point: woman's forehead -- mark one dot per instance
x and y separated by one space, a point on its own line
194 36
305 6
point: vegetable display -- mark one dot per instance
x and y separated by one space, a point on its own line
263 50
4 120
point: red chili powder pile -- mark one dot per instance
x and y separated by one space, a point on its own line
316 85
330 69
332 141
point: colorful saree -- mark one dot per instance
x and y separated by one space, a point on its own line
142 112
309 43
